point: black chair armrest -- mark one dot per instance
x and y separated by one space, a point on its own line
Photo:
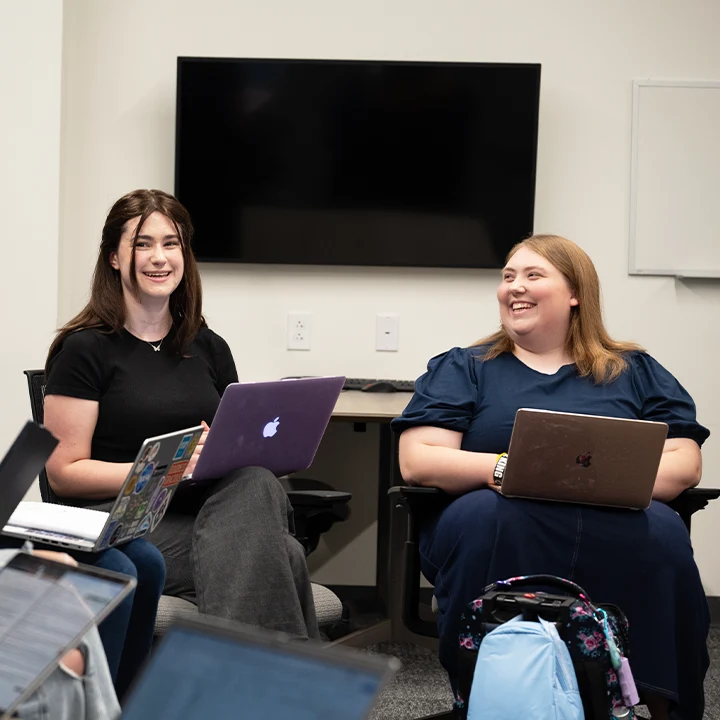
316 508
308 492
692 500
419 501
318 498
415 491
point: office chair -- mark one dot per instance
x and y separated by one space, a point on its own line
419 502
316 508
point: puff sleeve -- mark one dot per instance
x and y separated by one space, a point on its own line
445 396
664 399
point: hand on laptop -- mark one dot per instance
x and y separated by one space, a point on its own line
193 460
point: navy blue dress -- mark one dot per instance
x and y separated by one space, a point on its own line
641 561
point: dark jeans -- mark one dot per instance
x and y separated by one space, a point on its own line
640 561
127 633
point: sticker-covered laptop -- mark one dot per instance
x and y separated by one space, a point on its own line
139 507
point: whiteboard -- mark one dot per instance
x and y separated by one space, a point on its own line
675 179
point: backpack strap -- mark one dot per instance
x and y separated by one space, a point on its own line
545 581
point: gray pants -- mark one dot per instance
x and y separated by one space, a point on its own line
228 548
64 696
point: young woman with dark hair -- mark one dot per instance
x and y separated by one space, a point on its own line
140 361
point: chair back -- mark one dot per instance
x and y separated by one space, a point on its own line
36 388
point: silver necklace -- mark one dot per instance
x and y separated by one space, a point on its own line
155 347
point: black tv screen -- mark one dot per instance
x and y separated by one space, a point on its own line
326 162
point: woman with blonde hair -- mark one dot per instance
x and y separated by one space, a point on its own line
553 352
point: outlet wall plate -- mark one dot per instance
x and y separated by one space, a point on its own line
299 328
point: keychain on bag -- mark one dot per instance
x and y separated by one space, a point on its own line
621 665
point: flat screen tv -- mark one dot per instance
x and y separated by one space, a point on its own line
326 162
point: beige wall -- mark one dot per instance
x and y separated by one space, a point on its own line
30 60
118 133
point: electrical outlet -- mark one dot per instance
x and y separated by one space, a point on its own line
387 333
299 326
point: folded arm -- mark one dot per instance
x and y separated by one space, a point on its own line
680 468
70 470
432 457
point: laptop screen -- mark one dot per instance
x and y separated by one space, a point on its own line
44 608
21 465
195 676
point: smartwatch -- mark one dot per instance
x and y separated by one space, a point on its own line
499 470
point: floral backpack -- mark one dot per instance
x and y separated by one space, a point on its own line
596 637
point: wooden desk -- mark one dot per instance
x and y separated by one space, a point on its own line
380 408
357 406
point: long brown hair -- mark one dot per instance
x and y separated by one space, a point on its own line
594 352
106 309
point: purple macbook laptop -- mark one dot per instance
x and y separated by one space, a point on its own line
277 425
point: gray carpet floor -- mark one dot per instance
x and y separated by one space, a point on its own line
421 687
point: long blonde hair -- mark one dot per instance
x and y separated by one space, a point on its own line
594 352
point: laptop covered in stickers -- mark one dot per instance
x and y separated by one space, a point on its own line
139 507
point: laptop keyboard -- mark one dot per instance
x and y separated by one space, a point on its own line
362 383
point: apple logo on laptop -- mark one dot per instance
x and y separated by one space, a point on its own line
584 460
271 428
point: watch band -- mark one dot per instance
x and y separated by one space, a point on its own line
499 470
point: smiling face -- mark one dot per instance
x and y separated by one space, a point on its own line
159 262
535 301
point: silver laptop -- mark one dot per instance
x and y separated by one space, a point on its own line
587 459
45 609
208 668
139 507
277 425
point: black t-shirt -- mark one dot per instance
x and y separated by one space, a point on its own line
141 393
